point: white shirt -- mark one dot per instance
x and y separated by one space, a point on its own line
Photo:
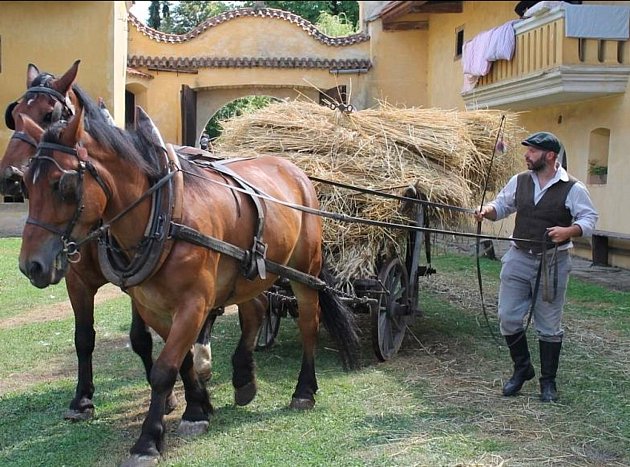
578 201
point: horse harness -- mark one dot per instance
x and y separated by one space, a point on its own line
62 110
164 224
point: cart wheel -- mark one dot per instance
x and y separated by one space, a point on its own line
269 327
389 321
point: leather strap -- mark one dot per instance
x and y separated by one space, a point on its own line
187 234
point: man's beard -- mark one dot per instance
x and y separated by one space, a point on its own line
538 165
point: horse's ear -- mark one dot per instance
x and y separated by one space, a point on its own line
146 126
74 131
64 83
29 126
31 73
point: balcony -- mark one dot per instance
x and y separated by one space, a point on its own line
549 68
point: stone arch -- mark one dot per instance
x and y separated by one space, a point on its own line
210 100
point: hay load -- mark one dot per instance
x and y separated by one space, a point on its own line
444 154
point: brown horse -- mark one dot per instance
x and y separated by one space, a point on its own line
79 177
45 101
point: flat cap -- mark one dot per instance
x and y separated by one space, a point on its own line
543 140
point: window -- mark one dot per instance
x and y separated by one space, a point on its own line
459 42
598 147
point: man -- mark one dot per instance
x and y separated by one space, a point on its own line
551 207
204 141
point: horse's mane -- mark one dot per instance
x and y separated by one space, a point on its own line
128 145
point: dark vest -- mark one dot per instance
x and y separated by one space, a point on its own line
532 220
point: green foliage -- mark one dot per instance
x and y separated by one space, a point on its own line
237 107
185 16
157 10
334 25
311 11
339 17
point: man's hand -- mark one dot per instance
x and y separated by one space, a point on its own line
560 234
487 212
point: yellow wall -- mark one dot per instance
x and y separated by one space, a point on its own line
446 76
52 35
259 37
400 64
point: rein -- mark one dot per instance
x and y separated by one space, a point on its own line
175 230
358 220
390 196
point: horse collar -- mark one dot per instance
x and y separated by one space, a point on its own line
152 251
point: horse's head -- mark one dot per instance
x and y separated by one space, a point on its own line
66 195
45 101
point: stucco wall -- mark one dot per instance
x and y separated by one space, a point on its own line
242 37
400 63
446 75
52 35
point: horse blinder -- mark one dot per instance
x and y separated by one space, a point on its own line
69 185
11 182
8 116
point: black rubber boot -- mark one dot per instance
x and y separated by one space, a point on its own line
523 368
549 358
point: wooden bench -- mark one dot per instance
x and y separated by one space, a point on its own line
600 245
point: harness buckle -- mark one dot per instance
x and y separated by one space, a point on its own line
253 263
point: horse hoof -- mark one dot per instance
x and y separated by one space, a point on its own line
171 404
79 416
140 461
202 361
187 428
302 404
246 394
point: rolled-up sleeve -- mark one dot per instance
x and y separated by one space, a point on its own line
505 202
581 207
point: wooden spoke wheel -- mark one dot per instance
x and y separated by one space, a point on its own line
269 327
389 320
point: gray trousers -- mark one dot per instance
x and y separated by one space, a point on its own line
518 279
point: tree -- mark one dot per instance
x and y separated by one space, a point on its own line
241 106
157 11
185 16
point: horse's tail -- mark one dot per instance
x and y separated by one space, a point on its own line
340 322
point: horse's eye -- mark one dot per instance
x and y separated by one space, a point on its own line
47 118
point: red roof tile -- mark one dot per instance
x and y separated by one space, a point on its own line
242 12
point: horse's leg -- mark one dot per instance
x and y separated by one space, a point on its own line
179 340
250 315
82 300
142 345
308 322
198 407
202 351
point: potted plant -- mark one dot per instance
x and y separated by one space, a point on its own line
598 174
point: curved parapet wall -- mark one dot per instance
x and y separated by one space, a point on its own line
239 53
308 27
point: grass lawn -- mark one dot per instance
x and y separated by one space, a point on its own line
437 402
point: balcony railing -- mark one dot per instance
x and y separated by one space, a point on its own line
549 68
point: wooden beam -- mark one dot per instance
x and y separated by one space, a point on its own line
436 7
397 9
405 25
